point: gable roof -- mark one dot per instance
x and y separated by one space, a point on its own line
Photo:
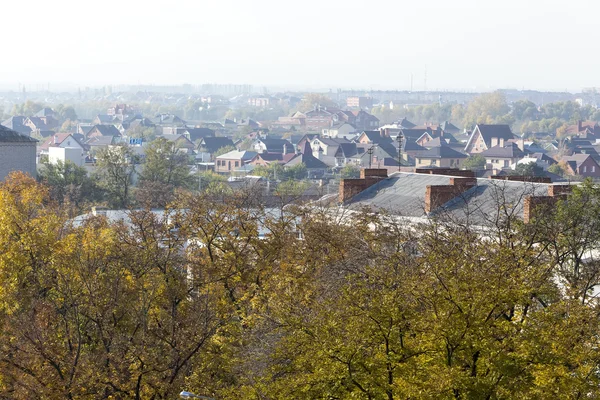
213 143
276 145
494 131
8 135
105 118
238 155
307 158
404 123
441 152
45 112
178 137
511 150
449 127
57 139
101 140
106 130
198 133
17 123
578 159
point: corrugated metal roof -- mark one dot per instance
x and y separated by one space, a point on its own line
404 194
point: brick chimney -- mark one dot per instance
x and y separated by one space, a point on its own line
555 193
368 177
438 195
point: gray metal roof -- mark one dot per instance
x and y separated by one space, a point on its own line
9 135
404 194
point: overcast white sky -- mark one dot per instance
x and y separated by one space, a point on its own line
462 44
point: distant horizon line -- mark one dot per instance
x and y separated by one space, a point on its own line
34 87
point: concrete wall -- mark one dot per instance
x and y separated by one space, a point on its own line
17 156
72 154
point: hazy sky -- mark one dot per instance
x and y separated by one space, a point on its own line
462 44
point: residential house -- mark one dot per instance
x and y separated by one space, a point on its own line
195 134
541 159
410 149
350 153
181 142
582 165
138 123
448 127
316 168
41 123
103 130
17 152
96 143
47 112
265 159
326 146
431 137
340 130
359 102
584 128
269 145
105 119
248 122
365 121
503 157
259 102
578 145
320 118
306 138
121 109
485 137
168 119
404 124
17 124
209 145
440 157
233 161
63 141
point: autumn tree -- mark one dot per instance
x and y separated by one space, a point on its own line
68 182
116 169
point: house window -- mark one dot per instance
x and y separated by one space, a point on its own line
237 163
506 164
593 168
584 169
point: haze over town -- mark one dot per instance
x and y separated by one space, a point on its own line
460 45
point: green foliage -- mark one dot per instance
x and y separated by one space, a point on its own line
475 162
116 167
166 164
223 150
350 171
66 112
529 169
69 183
27 109
277 172
225 299
557 169
487 108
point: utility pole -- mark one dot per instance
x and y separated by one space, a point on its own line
370 151
399 139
